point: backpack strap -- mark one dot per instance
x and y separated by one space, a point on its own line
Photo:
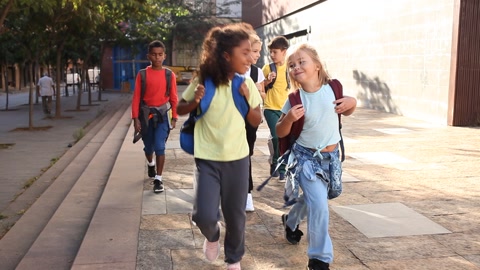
288 78
286 142
273 68
338 92
254 73
240 101
207 98
143 79
168 77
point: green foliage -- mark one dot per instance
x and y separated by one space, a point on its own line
77 29
78 134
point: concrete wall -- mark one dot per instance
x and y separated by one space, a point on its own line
393 56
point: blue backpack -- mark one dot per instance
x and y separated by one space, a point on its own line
187 130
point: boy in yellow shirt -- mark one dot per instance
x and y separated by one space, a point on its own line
277 89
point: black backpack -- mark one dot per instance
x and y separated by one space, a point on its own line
273 68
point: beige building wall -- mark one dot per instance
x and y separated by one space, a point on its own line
392 56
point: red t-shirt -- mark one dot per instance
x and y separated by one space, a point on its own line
155 89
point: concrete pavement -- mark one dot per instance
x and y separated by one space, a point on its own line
410 201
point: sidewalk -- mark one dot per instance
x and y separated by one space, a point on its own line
410 201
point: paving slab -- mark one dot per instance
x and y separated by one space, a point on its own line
388 220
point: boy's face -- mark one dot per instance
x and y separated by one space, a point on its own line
278 55
156 55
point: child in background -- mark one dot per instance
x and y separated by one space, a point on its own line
315 150
276 89
257 76
221 148
155 138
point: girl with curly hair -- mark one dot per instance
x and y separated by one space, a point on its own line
221 149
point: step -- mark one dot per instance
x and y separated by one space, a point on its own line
58 243
15 244
112 238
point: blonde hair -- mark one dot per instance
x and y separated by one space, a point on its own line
254 38
323 76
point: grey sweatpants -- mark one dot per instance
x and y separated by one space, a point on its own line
225 183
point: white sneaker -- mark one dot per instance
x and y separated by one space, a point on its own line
234 266
249 207
211 250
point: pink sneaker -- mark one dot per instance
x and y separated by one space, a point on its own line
234 266
211 250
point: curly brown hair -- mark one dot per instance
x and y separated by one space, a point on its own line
221 40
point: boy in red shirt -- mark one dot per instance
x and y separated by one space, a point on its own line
156 98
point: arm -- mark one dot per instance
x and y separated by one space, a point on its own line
261 90
345 105
284 124
184 106
173 100
136 103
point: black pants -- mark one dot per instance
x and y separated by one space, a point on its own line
225 183
251 138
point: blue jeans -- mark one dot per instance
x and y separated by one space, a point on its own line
313 177
156 137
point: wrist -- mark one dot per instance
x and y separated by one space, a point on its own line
174 119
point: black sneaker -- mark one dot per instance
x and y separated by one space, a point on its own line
151 171
292 236
281 178
157 186
314 264
273 173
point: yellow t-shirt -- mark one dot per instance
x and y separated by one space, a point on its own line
277 95
220 134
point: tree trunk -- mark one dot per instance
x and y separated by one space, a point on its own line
35 79
4 14
30 97
100 84
59 77
6 87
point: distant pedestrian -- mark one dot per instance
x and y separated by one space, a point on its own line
157 102
221 148
315 150
46 89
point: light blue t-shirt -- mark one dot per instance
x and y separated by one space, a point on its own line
320 128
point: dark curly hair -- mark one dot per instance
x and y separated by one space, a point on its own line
221 40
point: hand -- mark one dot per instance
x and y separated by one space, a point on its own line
137 125
173 123
199 93
344 104
244 91
271 76
295 113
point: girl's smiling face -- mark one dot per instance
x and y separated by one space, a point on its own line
301 67
241 58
